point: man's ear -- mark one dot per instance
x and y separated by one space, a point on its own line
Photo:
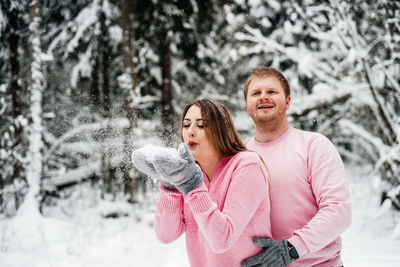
288 99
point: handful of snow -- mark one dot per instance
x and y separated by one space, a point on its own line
144 158
151 152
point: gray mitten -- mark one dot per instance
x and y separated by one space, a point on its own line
143 162
181 171
275 253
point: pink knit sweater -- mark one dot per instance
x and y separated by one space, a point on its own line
220 217
310 198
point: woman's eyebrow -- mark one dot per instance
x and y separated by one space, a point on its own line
186 119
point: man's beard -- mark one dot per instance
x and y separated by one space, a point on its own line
277 116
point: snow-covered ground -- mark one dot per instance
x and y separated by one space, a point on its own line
372 239
77 234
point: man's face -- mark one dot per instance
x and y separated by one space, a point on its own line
266 100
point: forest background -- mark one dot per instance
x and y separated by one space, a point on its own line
85 82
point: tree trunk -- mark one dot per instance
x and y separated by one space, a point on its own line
94 89
167 110
106 83
1 194
109 170
128 40
129 85
30 205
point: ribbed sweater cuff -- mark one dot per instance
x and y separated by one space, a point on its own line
299 245
170 198
169 190
199 200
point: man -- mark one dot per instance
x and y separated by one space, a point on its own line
310 199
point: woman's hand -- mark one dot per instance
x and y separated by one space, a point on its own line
144 164
172 168
181 171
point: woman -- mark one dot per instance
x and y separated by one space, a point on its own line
214 190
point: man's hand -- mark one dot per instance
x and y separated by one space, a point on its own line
275 253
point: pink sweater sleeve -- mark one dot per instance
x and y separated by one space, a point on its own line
330 186
221 228
168 223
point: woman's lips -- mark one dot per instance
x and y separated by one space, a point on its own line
192 144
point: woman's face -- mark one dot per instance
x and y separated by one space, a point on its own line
194 134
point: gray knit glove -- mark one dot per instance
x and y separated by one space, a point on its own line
275 253
182 172
143 163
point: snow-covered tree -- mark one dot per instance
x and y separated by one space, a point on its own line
340 58
118 72
34 155
14 17
85 37
170 36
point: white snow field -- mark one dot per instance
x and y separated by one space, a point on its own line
76 234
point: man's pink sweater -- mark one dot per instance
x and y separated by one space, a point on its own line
220 217
310 199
